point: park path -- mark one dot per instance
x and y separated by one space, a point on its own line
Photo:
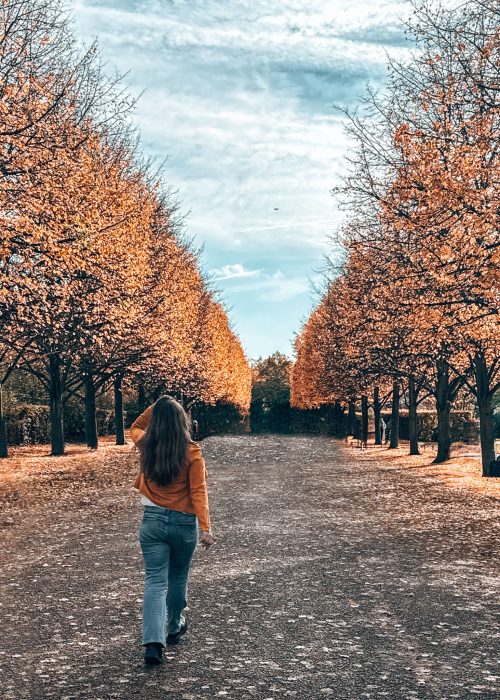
330 578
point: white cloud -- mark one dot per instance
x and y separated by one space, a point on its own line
239 94
230 272
262 286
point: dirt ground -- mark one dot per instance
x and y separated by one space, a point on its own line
463 471
337 573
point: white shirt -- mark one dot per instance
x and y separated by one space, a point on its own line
147 502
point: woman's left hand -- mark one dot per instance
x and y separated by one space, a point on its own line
206 539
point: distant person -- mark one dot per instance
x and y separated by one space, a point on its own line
172 483
388 431
383 428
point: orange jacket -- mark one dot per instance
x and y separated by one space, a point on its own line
189 492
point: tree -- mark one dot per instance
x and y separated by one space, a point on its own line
270 407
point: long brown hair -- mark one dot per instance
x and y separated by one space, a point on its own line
163 449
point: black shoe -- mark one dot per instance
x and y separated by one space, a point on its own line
153 656
176 638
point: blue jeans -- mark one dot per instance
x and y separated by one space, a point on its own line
168 539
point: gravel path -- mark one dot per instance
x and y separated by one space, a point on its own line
329 579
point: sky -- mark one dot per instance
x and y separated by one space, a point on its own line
238 95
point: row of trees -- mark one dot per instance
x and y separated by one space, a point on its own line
412 305
98 284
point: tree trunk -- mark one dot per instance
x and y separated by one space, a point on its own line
4 449
412 416
119 425
395 416
141 398
56 406
351 417
377 409
443 406
90 413
364 419
485 409
158 392
332 414
339 420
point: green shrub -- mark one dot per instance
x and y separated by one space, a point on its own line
463 426
316 421
275 418
220 418
27 424
74 421
323 421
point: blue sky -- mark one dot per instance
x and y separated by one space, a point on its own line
238 95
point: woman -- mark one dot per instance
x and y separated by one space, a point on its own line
172 483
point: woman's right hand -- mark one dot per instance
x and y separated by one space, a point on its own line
206 539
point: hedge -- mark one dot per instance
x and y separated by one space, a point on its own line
29 424
74 421
315 421
463 426
273 419
220 418
321 421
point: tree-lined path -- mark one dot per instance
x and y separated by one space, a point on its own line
329 579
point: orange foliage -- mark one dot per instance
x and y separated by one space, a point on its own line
96 281
420 286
